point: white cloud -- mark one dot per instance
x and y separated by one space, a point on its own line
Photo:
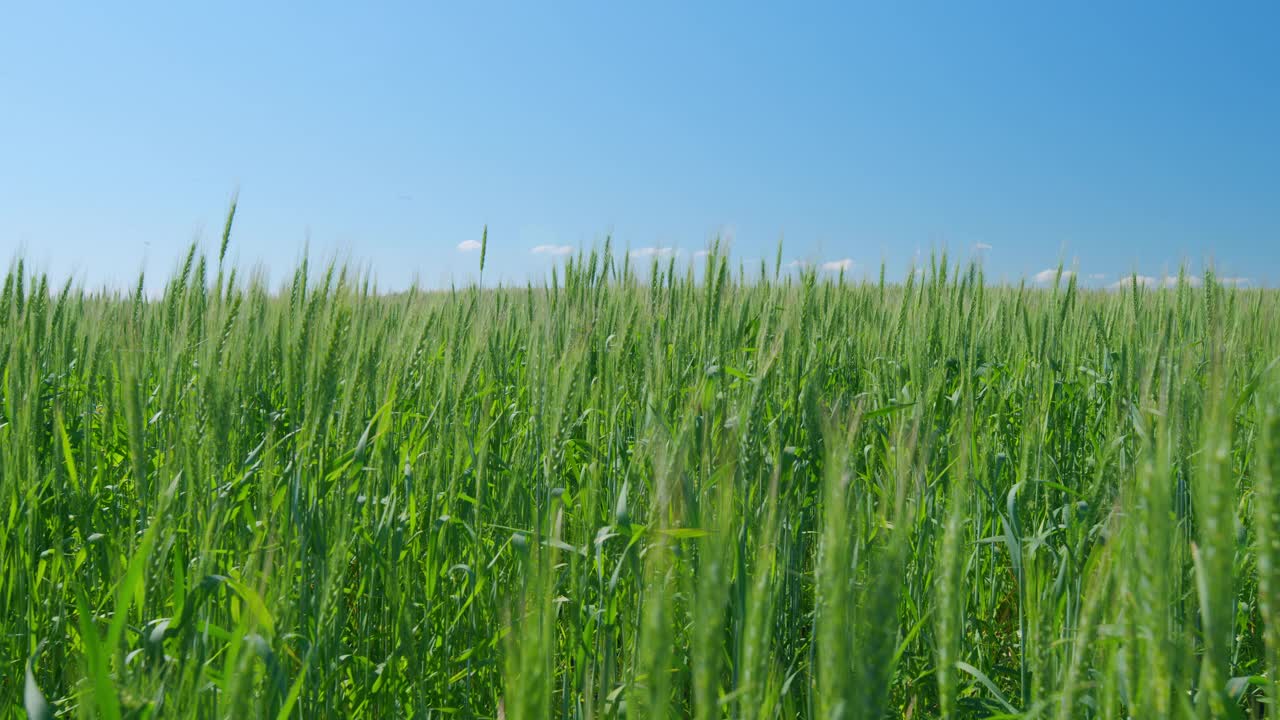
701 253
1171 281
551 249
1148 281
1048 276
799 264
654 252
1098 276
468 245
1128 280
981 246
842 265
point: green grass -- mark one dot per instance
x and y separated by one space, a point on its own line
641 493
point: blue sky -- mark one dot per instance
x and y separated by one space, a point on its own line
1115 137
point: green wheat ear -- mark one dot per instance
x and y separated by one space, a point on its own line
226 229
484 246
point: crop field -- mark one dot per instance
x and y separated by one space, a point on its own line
669 490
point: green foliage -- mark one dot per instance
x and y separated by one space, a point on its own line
630 492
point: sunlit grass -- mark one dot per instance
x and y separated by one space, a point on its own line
654 492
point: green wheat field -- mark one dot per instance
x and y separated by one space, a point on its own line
659 491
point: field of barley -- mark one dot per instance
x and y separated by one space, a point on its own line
665 491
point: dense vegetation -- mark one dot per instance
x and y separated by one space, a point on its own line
653 492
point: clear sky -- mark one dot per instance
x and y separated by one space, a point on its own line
1115 137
